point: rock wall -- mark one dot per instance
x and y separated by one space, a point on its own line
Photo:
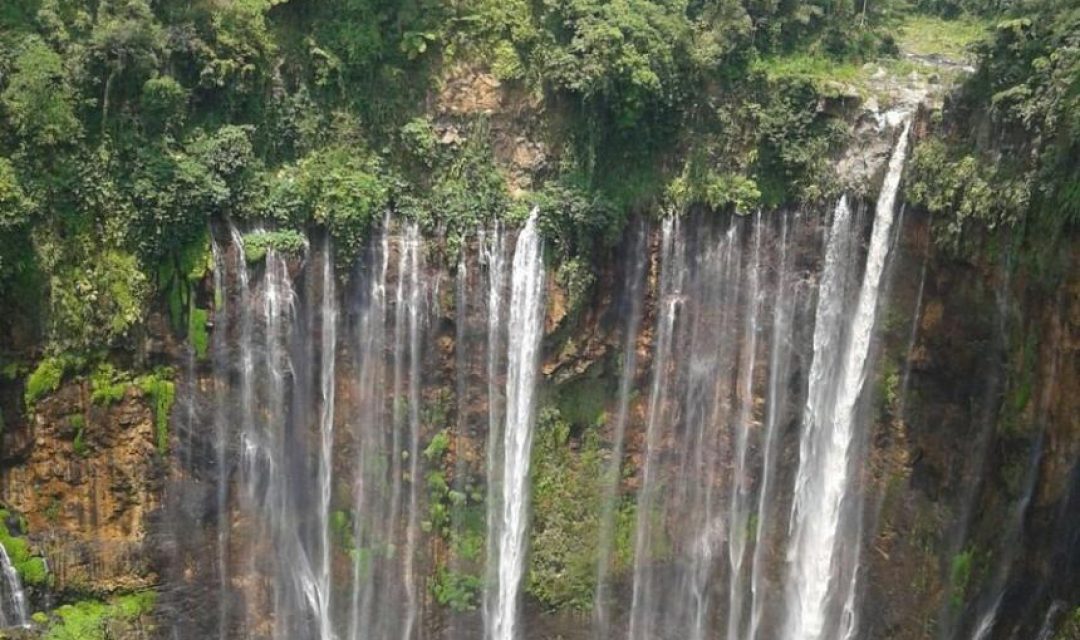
88 480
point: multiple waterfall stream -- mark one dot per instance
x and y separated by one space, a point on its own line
365 417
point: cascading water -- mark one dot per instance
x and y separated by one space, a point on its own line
668 298
526 325
780 355
12 598
821 570
493 252
369 505
411 254
333 384
740 498
327 380
635 278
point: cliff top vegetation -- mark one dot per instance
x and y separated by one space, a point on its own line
128 126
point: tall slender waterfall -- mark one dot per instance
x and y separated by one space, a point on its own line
821 570
493 252
635 275
780 355
222 441
369 505
740 499
641 605
411 253
526 326
12 598
327 380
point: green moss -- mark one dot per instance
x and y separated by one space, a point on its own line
341 529
889 386
159 387
31 568
567 502
824 72
1070 626
459 591
52 512
583 402
197 334
108 385
258 243
78 422
45 379
439 445
960 576
98 620
179 275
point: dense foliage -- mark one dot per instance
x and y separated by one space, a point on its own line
130 128
126 126
1011 153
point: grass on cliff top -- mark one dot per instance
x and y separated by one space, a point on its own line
823 71
924 35
919 35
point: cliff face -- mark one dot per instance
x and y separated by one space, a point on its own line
88 480
972 434
975 457
967 443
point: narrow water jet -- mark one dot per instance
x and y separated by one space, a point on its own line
12 597
526 324
635 277
642 614
327 380
780 356
739 516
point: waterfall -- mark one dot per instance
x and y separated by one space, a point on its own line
369 475
741 343
526 324
740 499
13 608
411 256
668 298
978 452
221 420
635 276
780 355
493 254
1046 630
1012 537
327 380
822 488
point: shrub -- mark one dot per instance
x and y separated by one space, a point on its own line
159 387
960 576
45 379
258 243
95 306
31 568
107 385
97 620
459 591
345 192
566 508
197 334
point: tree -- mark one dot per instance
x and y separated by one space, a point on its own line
38 101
